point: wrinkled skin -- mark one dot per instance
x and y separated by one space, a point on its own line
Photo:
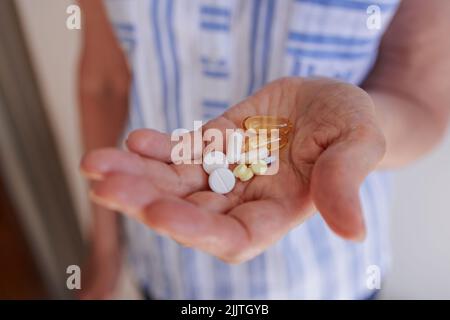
334 144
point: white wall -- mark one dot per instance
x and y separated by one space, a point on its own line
421 229
54 53
421 212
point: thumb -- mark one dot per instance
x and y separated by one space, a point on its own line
337 176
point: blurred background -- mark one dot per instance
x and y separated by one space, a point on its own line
43 204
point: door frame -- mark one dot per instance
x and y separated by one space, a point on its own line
30 164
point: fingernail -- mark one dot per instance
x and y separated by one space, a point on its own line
103 202
92 175
361 235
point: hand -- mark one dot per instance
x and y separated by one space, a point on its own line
101 271
335 143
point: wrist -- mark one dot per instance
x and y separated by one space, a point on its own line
96 23
105 232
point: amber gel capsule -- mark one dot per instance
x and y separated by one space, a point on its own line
268 122
268 142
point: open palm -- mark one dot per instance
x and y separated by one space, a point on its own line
334 144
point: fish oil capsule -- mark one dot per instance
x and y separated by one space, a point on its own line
271 143
268 122
259 167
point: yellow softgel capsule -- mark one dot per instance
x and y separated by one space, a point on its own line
259 168
268 122
240 170
271 143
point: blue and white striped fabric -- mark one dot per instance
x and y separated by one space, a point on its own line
191 60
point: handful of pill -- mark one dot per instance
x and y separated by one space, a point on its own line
255 158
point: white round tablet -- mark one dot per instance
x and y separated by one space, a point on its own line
234 146
214 160
221 180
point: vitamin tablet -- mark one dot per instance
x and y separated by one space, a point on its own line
234 146
268 122
247 175
254 155
239 170
214 160
221 180
259 167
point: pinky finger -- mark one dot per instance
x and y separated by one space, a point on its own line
217 234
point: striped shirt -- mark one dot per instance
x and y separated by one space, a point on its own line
193 59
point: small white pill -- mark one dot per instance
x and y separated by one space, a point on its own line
234 146
270 159
221 180
214 160
253 156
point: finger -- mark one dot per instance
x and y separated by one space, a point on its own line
96 164
157 145
180 219
179 180
235 237
336 179
217 234
219 203
125 193
266 221
211 201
